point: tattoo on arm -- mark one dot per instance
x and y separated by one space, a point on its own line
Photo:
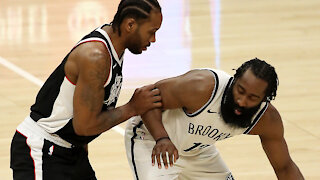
93 90
111 118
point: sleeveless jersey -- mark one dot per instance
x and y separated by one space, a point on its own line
53 109
192 133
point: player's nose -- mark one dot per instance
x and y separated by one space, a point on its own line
153 38
241 101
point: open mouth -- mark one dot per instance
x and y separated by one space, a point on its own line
237 111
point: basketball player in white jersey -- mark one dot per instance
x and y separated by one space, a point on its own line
201 107
78 101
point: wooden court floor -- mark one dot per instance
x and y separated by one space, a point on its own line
36 35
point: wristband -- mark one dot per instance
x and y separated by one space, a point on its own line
165 137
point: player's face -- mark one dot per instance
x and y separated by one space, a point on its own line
248 90
243 99
145 34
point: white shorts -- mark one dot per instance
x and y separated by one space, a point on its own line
139 144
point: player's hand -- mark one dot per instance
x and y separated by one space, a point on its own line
145 98
163 148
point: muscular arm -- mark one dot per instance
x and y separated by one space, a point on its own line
89 66
189 91
270 130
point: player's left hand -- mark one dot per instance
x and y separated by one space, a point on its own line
144 99
167 150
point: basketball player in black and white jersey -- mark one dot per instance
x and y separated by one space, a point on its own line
201 107
78 101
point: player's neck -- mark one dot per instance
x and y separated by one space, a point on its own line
117 41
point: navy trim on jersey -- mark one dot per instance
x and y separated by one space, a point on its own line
216 86
257 118
227 87
132 146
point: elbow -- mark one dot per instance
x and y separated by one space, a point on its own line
91 128
80 131
83 129
86 131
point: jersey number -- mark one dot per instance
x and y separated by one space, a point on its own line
197 145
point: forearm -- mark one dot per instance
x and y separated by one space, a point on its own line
153 121
290 172
106 120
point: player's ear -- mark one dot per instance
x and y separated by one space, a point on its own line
130 25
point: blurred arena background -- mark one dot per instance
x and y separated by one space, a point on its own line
35 35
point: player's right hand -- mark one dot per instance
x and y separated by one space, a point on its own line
145 98
166 149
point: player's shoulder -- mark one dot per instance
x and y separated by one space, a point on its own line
198 74
89 59
198 79
272 115
210 77
91 53
270 123
219 75
92 49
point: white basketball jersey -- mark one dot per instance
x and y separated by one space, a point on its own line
192 133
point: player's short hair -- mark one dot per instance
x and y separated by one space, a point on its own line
264 71
137 9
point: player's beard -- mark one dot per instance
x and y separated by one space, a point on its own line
228 107
135 45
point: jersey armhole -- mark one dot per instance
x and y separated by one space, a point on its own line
110 54
213 94
257 118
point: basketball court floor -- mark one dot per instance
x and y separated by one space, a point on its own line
36 35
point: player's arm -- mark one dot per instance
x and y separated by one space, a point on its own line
271 133
189 91
92 66
185 91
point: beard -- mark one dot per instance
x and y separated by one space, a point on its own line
135 45
228 107
135 50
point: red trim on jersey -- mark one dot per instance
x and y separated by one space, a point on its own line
107 49
34 166
70 81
